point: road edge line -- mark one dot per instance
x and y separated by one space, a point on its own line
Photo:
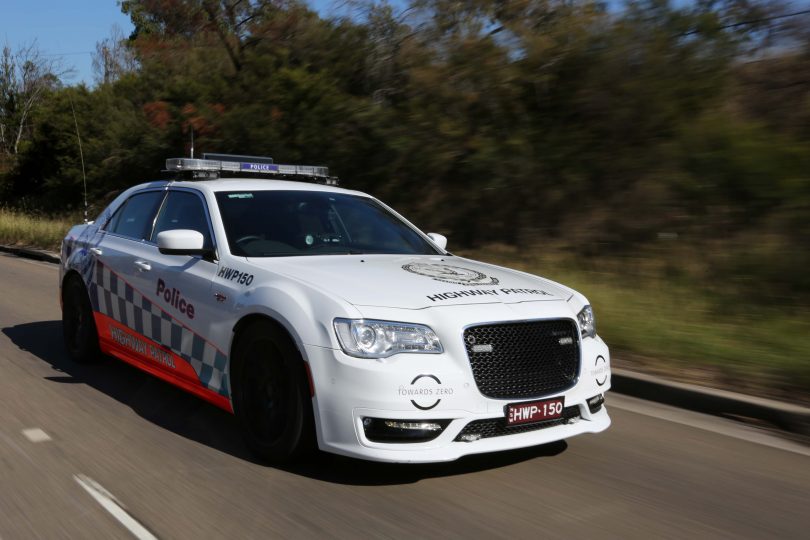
111 505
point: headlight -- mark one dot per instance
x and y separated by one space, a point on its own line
587 322
366 338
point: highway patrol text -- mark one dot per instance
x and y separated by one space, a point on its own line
481 292
141 347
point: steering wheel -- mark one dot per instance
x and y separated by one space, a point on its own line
248 238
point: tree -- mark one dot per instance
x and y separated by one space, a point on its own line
25 76
233 22
113 58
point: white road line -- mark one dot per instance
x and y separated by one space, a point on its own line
111 505
720 426
36 435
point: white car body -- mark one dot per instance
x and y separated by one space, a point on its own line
176 317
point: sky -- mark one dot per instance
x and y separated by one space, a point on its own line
67 30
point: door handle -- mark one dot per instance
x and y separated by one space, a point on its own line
96 251
143 266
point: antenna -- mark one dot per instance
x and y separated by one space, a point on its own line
81 155
192 142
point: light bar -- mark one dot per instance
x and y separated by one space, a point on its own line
253 167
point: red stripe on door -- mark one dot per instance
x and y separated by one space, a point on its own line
152 357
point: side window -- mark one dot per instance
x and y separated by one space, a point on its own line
135 218
184 210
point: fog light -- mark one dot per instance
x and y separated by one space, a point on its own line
595 403
427 426
470 437
402 431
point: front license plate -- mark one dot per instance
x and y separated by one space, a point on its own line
534 411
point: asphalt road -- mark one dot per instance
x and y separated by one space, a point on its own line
176 467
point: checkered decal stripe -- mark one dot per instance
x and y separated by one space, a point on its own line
114 297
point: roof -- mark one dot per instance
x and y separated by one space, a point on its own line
254 184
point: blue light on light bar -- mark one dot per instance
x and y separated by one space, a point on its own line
258 167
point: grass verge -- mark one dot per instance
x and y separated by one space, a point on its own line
17 229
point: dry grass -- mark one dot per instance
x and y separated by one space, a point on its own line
17 229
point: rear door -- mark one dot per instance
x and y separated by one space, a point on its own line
123 250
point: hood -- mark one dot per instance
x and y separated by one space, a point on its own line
414 282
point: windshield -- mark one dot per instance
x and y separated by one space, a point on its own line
294 223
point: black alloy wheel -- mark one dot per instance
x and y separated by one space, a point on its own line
78 325
271 394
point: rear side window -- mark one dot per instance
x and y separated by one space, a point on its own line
183 210
137 215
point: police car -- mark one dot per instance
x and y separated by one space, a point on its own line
320 317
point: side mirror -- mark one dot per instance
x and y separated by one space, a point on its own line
438 239
181 242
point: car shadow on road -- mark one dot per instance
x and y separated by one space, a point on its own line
177 411
161 403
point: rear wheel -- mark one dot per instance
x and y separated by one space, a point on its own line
78 324
271 394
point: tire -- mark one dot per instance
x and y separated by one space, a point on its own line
271 395
78 324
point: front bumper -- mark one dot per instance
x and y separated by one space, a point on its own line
441 388
446 447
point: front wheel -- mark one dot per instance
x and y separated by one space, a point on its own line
271 397
78 325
